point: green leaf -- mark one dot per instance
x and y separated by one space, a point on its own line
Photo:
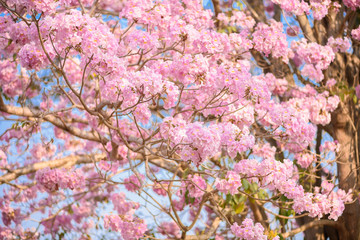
228 198
70 210
186 173
239 198
254 187
342 96
61 235
239 208
263 194
245 183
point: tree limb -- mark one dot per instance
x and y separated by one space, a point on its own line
63 162
34 113
306 28
323 222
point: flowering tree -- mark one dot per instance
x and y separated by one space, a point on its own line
161 119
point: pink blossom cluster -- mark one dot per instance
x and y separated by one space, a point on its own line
297 133
212 42
238 18
305 159
186 68
317 108
270 39
122 206
11 83
316 57
32 57
169 229
8 233
277 86
331 82
9 214
38 151
201 142
312 72
106 166
53 179
243 116
298 7
161 188
320 8
306 91
147 82
328 146
264 150
142 39
355 33
339 44
323 201
62 221
3 159
128 226
83 34
230 184
249 231
241 41
235 139
85 209
125 222
196 186
292 31
242 19
275 175
170 17
353 4
133 183
46 7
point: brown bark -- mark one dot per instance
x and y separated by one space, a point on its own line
344 132
344 69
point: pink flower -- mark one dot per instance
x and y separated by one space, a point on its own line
357 91
122 206
293 31
353 4
271 40
133 183
230 184
129 227
53 179
248 230
339 44
32 57
196 186
305 159
169 229
320 8
161 188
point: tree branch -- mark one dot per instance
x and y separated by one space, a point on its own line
63 162
323 222
306 28
34 113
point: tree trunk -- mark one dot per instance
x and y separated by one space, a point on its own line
347 164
